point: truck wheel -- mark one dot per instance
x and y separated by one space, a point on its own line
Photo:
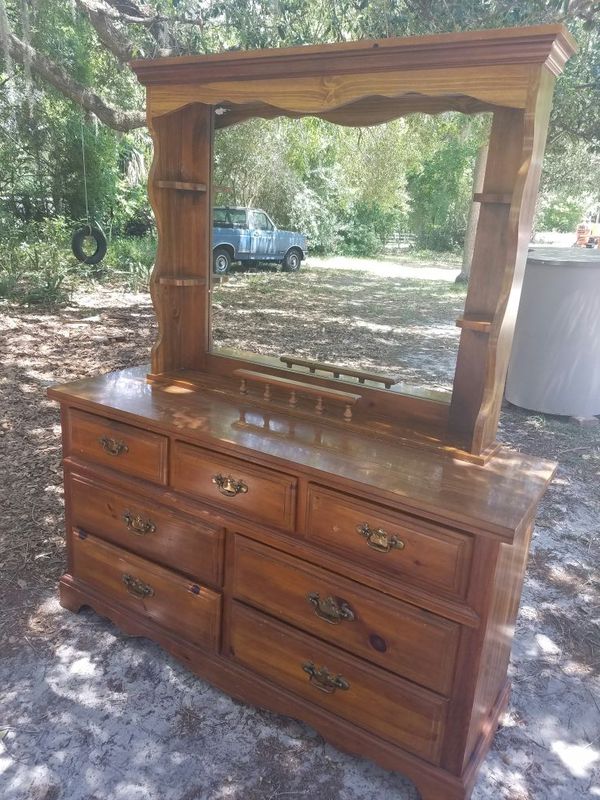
292 260
221 261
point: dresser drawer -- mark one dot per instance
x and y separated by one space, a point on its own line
119 446
389 542
367 696
177 604
236 485
404 639
147 528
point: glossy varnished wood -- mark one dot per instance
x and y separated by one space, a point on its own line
175 603
389 707
122 447
433 782
137 523
392 634
509 72
492 499
182 157
365 576
430 557
268 495
466 664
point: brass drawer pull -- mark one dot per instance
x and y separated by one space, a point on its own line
379 539
136 587
333 610
228 485
113 447
323 680
138 524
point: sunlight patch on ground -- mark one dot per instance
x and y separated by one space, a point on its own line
577 758
385 269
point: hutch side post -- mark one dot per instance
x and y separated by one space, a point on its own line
179 189
510 187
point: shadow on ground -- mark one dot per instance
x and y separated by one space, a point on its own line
89 714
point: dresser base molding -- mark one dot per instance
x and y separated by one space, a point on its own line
432 782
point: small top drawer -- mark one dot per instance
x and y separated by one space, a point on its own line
114 444
419 553
236 485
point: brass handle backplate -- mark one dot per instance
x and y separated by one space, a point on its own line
137 524
136 587
113 447
333 610
228 485
379 539
323 680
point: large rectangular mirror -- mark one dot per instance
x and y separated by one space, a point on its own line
341 246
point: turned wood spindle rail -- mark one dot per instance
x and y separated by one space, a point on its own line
295 388
337 372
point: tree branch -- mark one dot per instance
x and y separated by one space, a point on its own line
112 38
134 15
116 118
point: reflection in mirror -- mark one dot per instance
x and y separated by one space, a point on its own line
336 250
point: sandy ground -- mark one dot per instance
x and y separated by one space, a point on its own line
89 714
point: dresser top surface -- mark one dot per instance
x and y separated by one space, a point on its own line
497 498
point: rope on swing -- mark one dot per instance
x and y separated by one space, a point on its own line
92 229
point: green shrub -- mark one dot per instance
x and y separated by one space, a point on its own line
365 228
130 260
559 214
35 263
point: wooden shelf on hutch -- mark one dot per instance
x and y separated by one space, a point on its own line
358 568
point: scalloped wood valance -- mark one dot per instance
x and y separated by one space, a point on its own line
365 82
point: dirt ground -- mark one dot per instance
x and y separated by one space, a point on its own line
89 714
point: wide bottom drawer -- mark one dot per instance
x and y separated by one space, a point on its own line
180 606
389 707
401 638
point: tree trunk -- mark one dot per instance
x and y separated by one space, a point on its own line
478 176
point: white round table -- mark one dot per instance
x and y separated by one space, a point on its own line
555 360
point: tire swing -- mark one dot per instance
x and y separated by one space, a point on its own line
89 231
78 241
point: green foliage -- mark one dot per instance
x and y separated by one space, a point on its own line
560 214
35 265
129 260
366 228
440 188
346 188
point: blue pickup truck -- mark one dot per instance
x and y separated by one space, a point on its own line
248 235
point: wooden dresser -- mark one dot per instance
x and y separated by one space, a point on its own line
338 547
367 588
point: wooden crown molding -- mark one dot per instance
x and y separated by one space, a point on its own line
549 45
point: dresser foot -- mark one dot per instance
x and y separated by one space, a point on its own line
69 597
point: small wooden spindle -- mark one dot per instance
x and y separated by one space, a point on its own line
319 405
348 413
293 400
243 387
267 394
